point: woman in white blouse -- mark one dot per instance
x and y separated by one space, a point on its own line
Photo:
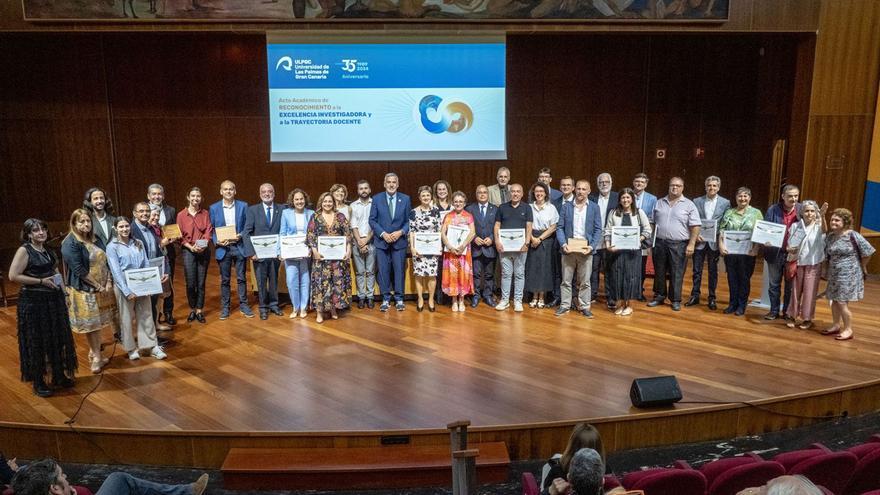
542 249
806 248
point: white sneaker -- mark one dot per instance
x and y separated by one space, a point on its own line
517 306
158 352
134 355
502 305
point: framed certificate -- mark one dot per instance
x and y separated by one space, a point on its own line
626 237
144 281
158 263
456 235
709 230
738 241
768 232
265 246
227 233
171 231
427 243
331 247
512 239
294 246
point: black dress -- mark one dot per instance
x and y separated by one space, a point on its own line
625 270
539 264
45 342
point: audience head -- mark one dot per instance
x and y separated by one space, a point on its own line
227 190
34 229
391 182
785 485
363 189
626 202
459 200
425 194
503 176
96 200
586 472
676 187
841 219
790 195
713 185
809 210
194 197
156 194
441 190
267 193
566 185
326 202
584 435
516 193
743 197
482 194
43 477
640 182
581 190
81 225
539 192
141 212
339 193
544 176
604 183
298 199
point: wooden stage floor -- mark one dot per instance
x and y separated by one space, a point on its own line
372 371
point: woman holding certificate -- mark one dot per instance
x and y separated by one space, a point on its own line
328 235
456 234
739 252
44 338
196 230
125 253
539 274
91 305
425 219
625 263
806 250
294 229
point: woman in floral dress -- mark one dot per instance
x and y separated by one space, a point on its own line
458 271
424 218
331 279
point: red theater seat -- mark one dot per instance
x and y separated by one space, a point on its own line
832 470
530 485
663 481
866 475
791 459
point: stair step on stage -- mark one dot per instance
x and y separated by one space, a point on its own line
346 468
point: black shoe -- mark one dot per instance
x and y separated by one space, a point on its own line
117 337
641 298
370 303
729 310
200 317
475 301
169 319
676 306
490 301
561 311
552 304
276 311
771 316
587 313
264 315
420 308
191 317
612 305
41 390
63 382
360 304
431 308
740 311
693 301
162 341
654 303
712 304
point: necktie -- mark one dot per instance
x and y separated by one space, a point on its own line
269 216
483 210
504 197
391 206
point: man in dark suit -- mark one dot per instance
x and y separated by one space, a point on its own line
264 218
483 251
141 231
566 187
710 207
230 211
606 199
389 221
167 216
579 220
101 212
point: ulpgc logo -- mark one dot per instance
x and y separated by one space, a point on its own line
285 63
454 116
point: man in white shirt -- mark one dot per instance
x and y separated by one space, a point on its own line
710 207
579 220
364 254
606 199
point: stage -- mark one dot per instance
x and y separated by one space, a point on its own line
519 378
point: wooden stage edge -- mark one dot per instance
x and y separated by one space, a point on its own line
664 426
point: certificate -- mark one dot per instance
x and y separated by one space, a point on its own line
512 239
294 246
709 230
331 247
171 231
227 233
158 263
626 237
144 281
456 235
265 246
738 241
427 243
768 232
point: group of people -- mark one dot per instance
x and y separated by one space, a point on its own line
564 243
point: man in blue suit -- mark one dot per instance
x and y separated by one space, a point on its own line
230 212
579 220
483 251
645 201
389 221
710 207
607 201
141 231
264 218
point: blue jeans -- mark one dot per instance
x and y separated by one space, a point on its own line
298 281
774 291
126 484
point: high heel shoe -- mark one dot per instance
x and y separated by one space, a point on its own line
432 308
420 306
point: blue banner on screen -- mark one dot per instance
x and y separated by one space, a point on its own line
391 101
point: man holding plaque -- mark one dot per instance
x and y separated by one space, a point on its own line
264 219
389 221
711 208
785 212
678 226
167 216
228 218
579 229
513 222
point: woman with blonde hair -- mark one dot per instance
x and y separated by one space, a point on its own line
340 195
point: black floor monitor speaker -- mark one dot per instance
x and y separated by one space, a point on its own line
654 391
